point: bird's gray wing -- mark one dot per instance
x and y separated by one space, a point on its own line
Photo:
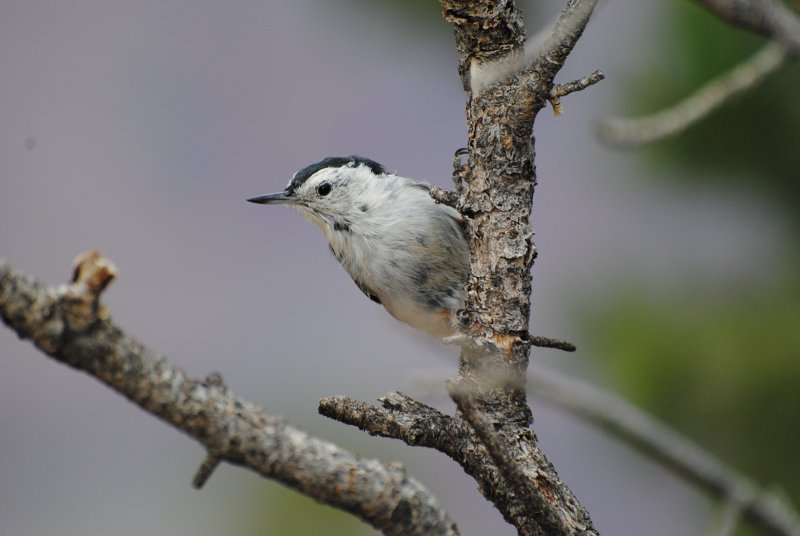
360 284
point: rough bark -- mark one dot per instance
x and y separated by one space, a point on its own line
500 178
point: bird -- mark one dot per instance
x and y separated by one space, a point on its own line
404 250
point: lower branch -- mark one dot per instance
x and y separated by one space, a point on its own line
70 325
417 424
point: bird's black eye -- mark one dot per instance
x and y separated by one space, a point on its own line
324 189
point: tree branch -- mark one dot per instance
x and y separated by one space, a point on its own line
565 34
69 324
401 417
635 132
549 46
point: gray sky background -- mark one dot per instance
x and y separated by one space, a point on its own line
139 129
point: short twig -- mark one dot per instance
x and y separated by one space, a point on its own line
635 132
204 471
548 342
444 197
561 90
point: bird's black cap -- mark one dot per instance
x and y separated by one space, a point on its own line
332 162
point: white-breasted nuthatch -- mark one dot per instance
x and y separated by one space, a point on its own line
403 249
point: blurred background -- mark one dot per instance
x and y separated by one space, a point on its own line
139 129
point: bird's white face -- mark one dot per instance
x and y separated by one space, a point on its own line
332 193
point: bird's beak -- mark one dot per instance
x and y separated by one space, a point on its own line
280 198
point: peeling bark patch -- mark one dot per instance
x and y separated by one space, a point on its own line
546 488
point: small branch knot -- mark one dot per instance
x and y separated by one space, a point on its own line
80 300
460 169
444 197
214 379
93 271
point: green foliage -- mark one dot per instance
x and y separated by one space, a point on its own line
723 368
752 142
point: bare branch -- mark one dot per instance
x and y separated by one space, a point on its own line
566 32
770 18
550 46
401 418
70 325
635 132
766 510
